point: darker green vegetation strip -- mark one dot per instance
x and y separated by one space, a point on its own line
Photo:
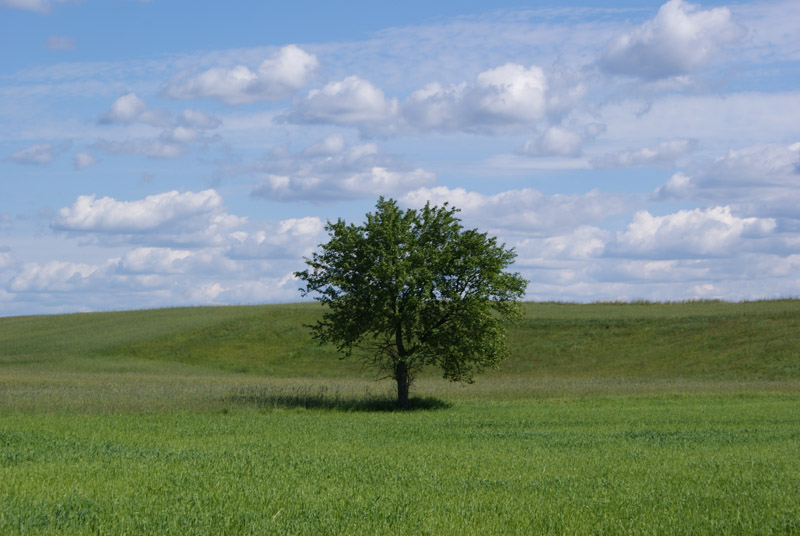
708 340
697 340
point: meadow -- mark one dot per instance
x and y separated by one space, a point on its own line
607 419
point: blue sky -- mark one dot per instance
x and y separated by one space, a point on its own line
168 153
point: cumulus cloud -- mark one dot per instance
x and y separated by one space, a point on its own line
54 276
762 178
329 170
60 42
276 78
165 261
7 259
197 119
167 218
129 108
352 101
109 215
560 141
180 134
663 155
556 141
680 39
581 244
525 211
292 238
508 95
166 147
245 263
39 154
281 287
661 272
711 232
125 109
83 160
758 165
678 186
512 92
328 146
173 142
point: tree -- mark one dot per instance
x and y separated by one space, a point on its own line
414 288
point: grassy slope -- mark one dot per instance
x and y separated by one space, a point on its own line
708 340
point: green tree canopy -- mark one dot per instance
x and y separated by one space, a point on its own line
414 288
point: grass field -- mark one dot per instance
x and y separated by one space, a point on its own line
608 419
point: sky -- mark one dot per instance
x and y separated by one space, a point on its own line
172 152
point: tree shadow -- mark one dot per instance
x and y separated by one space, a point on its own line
323 399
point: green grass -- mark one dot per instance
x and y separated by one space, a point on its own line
619 465
608 419
709 340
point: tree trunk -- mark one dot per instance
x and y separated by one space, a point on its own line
403 383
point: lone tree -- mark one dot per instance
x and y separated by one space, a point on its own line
414 288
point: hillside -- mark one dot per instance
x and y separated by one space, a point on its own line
706 340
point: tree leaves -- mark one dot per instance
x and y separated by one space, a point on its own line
415 288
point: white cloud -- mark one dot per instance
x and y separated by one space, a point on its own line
525 211
349 101
7 260
180 134
276 78
712 232
678 186
759 165
206 293
173 142
762 179
508 95
60 42
718 122
513 93
167 148
657 271
556 141
52 276
126 109
771 30
39 154
561 141
581 244
198 119
129 108
663 155
329 170
154 260
293 238
249 263
188 218
83 160
328 146
164 260
678 41
279 287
